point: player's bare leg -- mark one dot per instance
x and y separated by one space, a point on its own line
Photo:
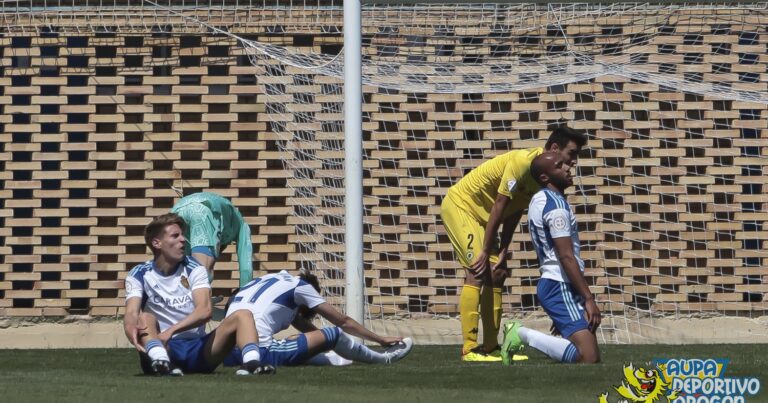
207 261
316 342
238 328
586 342
151 327
159 362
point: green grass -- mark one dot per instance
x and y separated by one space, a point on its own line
429 374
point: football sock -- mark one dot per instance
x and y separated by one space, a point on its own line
156 351
331 337
491 317
468 303
556 348
347 347
487 318
250 352
329 358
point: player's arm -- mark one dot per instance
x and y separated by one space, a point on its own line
510 224
514 172
351 326
201 297
481 263
131 324
564 250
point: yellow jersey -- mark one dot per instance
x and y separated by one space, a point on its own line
507 174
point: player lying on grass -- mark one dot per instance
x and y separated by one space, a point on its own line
168 303
495 193
213 222
562 290
280 300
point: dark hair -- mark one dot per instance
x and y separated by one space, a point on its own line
156 227
306 313
563 135
311 279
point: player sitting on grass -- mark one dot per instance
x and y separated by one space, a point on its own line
562 290
279 300
168 303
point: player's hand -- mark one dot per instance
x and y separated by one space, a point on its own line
501 264
134 335
553 330
480 265
593 314
390 341
165 336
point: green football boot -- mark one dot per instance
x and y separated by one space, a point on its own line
512 344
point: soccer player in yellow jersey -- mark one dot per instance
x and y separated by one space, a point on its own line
496 192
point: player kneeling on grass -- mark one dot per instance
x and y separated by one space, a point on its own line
168 303
281 299
495 193
562 289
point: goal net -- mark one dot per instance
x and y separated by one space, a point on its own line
669 192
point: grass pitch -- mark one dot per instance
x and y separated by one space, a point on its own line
429 374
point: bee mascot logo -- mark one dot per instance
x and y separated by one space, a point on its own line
643 385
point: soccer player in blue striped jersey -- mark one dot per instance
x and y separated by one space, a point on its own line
562 290
168 303
281 299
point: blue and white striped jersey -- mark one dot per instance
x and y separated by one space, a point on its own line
274 300
549 217
168 298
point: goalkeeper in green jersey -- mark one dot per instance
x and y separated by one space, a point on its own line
212 224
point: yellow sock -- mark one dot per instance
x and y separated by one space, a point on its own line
468 302
497 310
488 317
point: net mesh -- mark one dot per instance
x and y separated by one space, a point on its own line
668 196
669 193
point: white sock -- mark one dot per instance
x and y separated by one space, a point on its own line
250 352
556 348
156 351
350 349
329 358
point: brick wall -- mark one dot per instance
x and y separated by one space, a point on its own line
96 127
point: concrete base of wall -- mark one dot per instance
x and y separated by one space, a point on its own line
86 332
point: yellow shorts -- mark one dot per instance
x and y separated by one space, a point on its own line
466 234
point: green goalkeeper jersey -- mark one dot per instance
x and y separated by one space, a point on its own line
213 221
